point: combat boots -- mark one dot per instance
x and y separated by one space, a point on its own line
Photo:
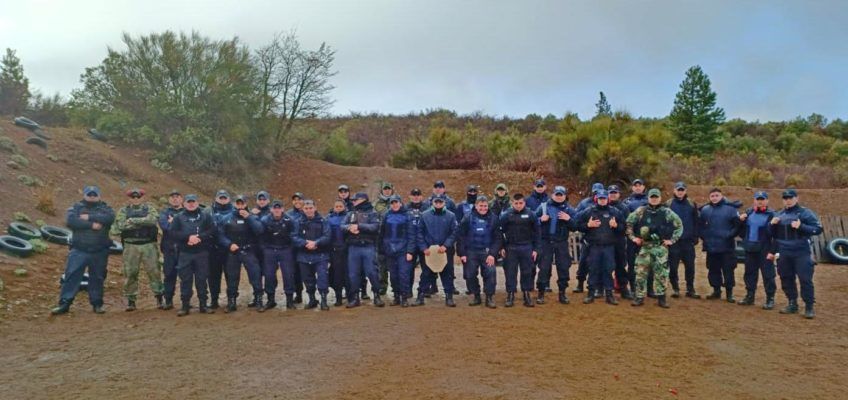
661 301
290 302
338 302
730 298
449 299
490 301
769 305
183 310
590 298
540 299
98 309
395 300
257 298
809 312
324 306
476 300
404 301
312 302
270 305
690 293
169 303
579 287
715 295
353 303
231 305
215 304
563 299
510 299
378 302
748 300
610 298
62 308
419 301
204 310
637 302
160 302
626 294
791 308
130 305
528 300
298 297
675 293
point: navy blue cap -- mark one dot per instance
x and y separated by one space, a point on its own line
240 198
91 189
602 194
439 184
264 194
191 197
277 203
761 195
360 196
222 193
597 186
540 182
439 199
415 192
613 189
789 193
395 198
679 185
560 190
638 180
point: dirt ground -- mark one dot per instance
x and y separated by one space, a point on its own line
695 349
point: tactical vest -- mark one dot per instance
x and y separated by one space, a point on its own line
139 235
312 229
278 232
479 234
656 222
604 234
520 228
238 231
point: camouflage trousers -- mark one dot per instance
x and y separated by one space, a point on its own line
136 255
652 257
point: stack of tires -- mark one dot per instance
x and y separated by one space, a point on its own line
17 241
39 138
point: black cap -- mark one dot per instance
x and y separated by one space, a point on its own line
439 184
415 192
277 203
540 182
789 193
297 195
190 197
360 196
471 188
679 185
264 194
240 198
438 199
613 189
638 180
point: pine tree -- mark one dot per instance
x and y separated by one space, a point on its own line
14 86
604 108
695 117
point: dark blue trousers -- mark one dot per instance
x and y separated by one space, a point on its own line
193 268
790 266
621 274
75 266
399 272
632 251
428 278
274 258
756 263
315 274
601 259
720 267
216 269
246 257
474 266
169 271
361 259
554 252
519 258
681 252
338 270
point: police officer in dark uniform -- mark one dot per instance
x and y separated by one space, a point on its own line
522 234
602 225
792 227
479 241
338 251
312 240
239 233
168 246
437 227
398 238
361 229
344 196
719 223
622 277
90 221
194 231
277 253
684 249
756 240
217 255
296 214
556 217
582 266
415 207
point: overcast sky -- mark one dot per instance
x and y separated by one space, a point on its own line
768 60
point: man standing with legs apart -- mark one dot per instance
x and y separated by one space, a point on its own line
169 247
684 249
555 216
361 230
398 238
654 228
312 239
338 250
582 266
791 229
136 224
601 225
194 231
719 223
522 234
478 242
437 228
277 242
239 234
756 240
90 221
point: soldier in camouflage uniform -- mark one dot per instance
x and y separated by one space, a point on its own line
654 227
136 224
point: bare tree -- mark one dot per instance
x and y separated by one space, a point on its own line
294 82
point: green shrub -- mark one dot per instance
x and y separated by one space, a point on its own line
6 144
39 246
30 181
793 180
13 165
442 148
502 148
746 176
21 217
161 165
340 150
21 160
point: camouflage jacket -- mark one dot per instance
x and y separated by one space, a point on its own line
653 225
136 224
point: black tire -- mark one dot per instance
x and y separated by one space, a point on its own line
42 134
55 234
837 249
116 248
96 135
37 141
27 123
16 246
24 231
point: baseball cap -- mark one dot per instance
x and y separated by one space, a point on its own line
540 182
613 189
135 192
91 189
297 195
174 192
276 203
560 190
788 193
222 193
387 185
415 192
597 186
638 181
602 194
654 193
761 195
679 185
501 186
360 196
190 197
439 184
264 194
471 188
395 198
344 187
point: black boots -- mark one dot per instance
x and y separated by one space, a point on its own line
183 310
60 309
528 300
298 298
637 302
419 301
791 308
476 301
160 302
540 299
610 298
809 312
626 294
598 293
675 293
378 302
395 300
730 298
231 305
690 293
404 301
324 306
365 295
98 309
490 301
270 305
354 302
312 302
215 304
579 288
290 302
748 300
130 305
715 295
338 302
563 299
257 300
449 299
204 310
661 301
769 305
169 303
590 298
510 299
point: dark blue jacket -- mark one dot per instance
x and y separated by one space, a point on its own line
84 238
635 201
218 211
398 232
437 228
244 232
604 234
555 229
479 233
168 243
535 199
465 208
520 228
368 222
196 222
337 237
295 214
755 231
316 229
790 241
718 225
277 233
586 203
450 205
687 210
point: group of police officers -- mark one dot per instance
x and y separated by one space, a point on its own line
634 245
